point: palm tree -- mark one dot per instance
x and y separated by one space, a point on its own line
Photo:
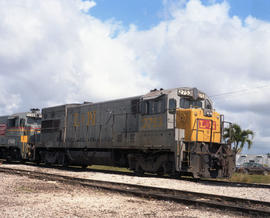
238 137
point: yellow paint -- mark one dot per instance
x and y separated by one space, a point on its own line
24 130
146 122
187 119
152 122
24 138
91 118
76 121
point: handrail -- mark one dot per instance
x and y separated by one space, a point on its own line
197 129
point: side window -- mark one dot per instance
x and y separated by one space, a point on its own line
208 104
135 106
172 105
145 107
158 106
12 122
22 122
153 106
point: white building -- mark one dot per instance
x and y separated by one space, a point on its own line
262 159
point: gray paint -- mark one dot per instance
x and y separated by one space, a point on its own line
116 125
13 134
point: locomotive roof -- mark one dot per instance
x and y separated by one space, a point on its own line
62 105
15 115
157 93
150 95
20 114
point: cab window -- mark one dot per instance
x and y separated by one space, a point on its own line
208 104
33 120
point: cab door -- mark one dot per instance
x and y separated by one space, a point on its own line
23 138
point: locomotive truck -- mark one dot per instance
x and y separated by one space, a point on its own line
174 131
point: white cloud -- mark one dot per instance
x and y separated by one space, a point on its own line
203 46
85 6
54 51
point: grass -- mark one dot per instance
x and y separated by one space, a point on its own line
109 168
239 177
25 189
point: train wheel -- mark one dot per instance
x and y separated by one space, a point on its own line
47 164
22 161
161 171
64 161
139 171
84 166
8 160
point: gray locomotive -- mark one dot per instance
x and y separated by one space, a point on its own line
163 132
174 131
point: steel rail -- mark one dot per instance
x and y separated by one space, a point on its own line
247 206
228 183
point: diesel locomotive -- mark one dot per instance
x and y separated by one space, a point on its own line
174 131
17 131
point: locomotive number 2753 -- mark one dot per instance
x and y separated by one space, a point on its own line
151 122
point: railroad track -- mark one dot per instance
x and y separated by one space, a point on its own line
200 181
228 183
246 206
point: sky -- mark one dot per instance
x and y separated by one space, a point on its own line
57 51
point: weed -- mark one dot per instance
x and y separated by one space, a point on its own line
239 177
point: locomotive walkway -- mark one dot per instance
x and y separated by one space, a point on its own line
246 206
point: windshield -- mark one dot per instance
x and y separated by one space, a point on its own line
34 120
189 103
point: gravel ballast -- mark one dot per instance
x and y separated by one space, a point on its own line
261 194
25 197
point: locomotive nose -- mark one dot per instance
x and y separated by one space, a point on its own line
199 126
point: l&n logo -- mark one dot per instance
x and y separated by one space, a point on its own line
206 124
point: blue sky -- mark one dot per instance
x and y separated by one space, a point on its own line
148 13
143 14
256 8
